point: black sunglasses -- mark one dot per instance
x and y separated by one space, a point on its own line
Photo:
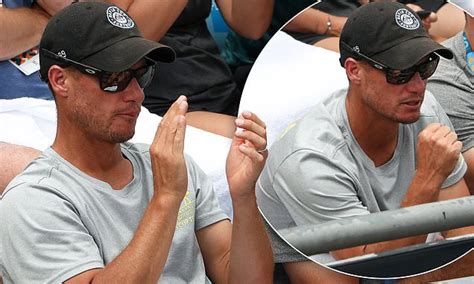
398 77
111 82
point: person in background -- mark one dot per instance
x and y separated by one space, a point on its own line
444 21
240 52
321 25
94 207
199 73
453 86
21 25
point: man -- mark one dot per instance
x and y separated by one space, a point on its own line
381 144
453 86
96 208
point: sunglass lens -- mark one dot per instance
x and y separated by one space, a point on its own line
427 69
116 81
145 75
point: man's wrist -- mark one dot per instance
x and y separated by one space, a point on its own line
244 198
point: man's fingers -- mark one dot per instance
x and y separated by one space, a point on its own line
178 143
179 107
256 140
251 123
252 116
173 110
451 137
175 126
252 153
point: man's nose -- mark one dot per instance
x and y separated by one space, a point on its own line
134 92
416 83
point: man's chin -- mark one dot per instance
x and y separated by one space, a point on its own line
121 137
409 120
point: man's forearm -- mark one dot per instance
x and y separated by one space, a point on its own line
423 189
251 258
21 29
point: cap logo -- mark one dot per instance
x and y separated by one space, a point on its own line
405 19
90 71
118 18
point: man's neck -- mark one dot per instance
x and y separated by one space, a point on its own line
377 136
101 160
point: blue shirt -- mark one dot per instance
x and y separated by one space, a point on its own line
15 84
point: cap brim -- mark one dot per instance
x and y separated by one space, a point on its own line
123 54
408 53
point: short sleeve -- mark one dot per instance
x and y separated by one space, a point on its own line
282 251
316 189
43 239
208 210
460 169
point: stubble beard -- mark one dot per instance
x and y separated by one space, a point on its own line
99 129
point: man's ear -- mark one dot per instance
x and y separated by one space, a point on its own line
354 70
58 79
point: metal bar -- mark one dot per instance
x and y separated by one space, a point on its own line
381 226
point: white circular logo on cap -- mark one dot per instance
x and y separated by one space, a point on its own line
118 18
406 19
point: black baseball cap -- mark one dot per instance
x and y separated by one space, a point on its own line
100 35
389 33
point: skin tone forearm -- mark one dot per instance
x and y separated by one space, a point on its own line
248 18
315 21
251 254
154 18
53 6
21 29
18 157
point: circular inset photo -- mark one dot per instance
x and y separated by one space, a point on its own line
369 169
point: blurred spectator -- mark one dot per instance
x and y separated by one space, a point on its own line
453 86
240 52
199 72
445 21
21 24
322 24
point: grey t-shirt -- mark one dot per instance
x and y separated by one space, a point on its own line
317 172
57 222
453 86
